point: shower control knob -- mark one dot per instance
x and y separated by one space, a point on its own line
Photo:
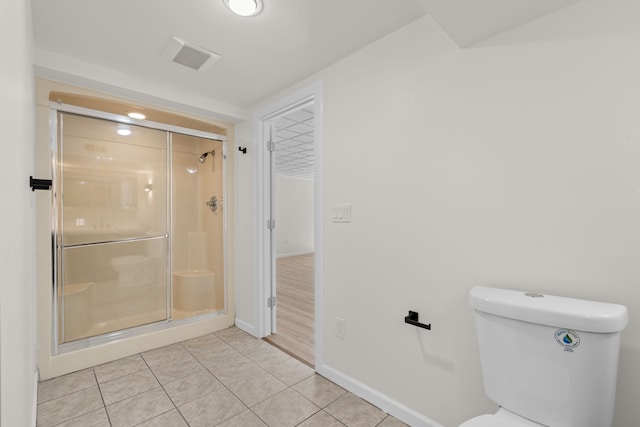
213 203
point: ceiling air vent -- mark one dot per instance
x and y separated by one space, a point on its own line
189 55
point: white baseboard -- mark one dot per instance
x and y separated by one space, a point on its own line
250 329
288 254
34 409
382 401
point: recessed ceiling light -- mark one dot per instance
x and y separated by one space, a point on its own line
244 7
135 115
123 130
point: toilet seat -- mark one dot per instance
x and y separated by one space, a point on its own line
502 418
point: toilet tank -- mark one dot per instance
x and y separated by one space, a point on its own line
550 359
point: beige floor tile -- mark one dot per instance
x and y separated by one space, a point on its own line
168 419
234 369
217 354
231 333
205 341
171 370
244 419
119 368
212 380
321 419
92 419
287 408
130 385
167 355
241 340
139 408
207 346
268 355
211 409
319 390
392 422
256 388
68 407
192 387
355 412
290 371
247 344
66 384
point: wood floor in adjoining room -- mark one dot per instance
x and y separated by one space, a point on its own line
295 307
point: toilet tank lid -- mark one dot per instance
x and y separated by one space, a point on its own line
570 313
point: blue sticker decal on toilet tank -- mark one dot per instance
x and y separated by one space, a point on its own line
567 338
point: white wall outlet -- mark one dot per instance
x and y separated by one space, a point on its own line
340 327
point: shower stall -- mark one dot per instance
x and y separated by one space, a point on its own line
139 226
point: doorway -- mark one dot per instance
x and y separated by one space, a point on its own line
293 209
290 206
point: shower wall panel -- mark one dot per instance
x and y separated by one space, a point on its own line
197 227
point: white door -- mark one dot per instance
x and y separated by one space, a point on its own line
266 163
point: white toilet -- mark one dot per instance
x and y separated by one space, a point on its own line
547 360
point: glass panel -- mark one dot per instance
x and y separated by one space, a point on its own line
112 188
114 286
197 227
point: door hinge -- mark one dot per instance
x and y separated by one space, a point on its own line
271 146
271 224
271 302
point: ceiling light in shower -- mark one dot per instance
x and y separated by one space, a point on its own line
124 130
244 7
148 188
136 115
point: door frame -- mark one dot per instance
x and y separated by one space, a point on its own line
265 256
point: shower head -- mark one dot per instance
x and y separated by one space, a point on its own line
203 157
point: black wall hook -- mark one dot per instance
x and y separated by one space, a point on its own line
412 319
243 150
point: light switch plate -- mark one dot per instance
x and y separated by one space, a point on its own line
341 212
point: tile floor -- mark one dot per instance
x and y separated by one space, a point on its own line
227 379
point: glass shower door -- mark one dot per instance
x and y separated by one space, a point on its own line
112 238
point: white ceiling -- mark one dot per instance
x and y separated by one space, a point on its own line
470 21
294 141
118 43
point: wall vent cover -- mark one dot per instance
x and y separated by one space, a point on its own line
189 55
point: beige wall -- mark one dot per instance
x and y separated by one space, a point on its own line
54 365
513 164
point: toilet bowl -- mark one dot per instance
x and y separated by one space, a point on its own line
502 418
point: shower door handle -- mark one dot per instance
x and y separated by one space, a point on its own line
213 203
